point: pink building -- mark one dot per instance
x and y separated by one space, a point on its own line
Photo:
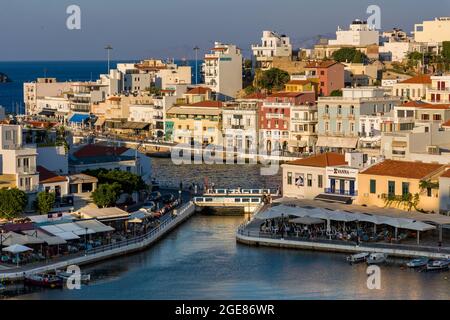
329 74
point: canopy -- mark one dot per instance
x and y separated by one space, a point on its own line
11 238
419 226
17 248
94 225
50 240
135 220
279 211
79 118
307 221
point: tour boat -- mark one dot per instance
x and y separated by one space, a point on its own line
417 263
435 265
63 275
44 280
359 257
376 258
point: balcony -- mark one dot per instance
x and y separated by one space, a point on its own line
274 116
26 170
238 127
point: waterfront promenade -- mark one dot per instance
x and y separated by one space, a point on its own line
104 252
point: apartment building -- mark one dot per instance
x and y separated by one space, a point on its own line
199 123
303 128
272 45
223 70
359 33
42 87
275 118
328 74
439 92
414 88
433 32
339 117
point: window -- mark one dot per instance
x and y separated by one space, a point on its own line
289 178
339 109
320 181
437 117
309 178
352 110
405 188
429 193
327 109
373 186
391 188
425 117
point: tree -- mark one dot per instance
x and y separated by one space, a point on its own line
45 202
12 203
106 195
127 181
349 55
336 93
273 79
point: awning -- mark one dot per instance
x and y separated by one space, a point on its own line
135 125
47 112
79 118
307 221
100 122
48 239
67 231
399 144
297 143
337 142
94 225
11 238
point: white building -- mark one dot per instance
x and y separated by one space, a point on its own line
444 192
433 32
440 89
173 75
223 70
60 105
358 34
272 45
18 160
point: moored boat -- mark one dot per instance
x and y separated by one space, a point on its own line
44 280
436 265
377 258
359 257
417 263
63 275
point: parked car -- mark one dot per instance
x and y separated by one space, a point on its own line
154 196
168 198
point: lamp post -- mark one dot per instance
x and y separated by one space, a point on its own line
196 48
108 48
85 239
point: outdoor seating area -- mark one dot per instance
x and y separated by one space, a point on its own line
318 223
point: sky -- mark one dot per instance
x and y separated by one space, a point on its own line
137 29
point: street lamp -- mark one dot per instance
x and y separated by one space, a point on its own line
108 48
196 48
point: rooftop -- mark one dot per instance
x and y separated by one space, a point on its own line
96 150
199 90
321 64
207 104
403 169
321 161
425 105
420 79
47 176
283 94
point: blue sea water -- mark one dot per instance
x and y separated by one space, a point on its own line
11 94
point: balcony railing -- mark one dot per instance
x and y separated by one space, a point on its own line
353 193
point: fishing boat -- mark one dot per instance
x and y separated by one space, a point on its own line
436 265
417 263
359 257
44 280
63 275
377 258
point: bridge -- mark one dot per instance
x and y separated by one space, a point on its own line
248 199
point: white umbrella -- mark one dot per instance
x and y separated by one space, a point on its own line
307 221
279 211
17 248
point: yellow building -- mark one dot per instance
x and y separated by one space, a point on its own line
397 184
302 85
199 122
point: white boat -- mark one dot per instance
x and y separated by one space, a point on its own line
66 275
359 257
435 265
377 258
417 263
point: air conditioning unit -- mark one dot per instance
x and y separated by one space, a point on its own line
433 150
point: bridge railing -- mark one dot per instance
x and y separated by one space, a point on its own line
228 200
255 192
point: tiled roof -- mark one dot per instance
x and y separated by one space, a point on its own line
46 176
425 105
208 104
446 174
402 169
199 90
96 150
322 160
299 82
256 95
321 64
420 79
283 94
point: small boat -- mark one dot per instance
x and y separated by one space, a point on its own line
359 257
63 275
436 265
417 263
44 280
377 258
